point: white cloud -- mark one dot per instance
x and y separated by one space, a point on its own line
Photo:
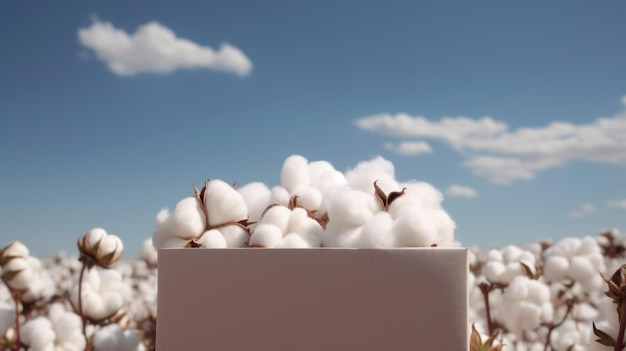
410 148
455 190
154 48
584 210
618 204
624 99
503 155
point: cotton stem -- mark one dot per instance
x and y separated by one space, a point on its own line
485 289
619 343
80 306
16 300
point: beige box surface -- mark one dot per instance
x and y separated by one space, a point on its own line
313 299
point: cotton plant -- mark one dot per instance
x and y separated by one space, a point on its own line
113 338
386 213
148 253
216 217
575 260
311 182
502 265
97 293
288 226
59 331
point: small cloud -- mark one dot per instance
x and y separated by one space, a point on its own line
584 210
410 148
154 48
618 204
455 190
624 100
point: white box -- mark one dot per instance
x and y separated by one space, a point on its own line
327 299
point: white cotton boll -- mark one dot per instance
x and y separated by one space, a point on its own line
581 268
16 248
363 176
23 279
279 196
495 271
511 253
345 238
148 253
588 246
428 195
278 216
188 219
103 293
308 197
495 255
584 311
300 222
212 239
38 334
349 208
113 338
95 235
7 317
67 327
517 290
415 230
265 235
257 197
162 240
324 176
556 268
224 204
445 228
377 232
42 287
235 235
295 171
109 244
295 241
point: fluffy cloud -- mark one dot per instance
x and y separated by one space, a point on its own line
455 190
618 204
584 210
410 148
154 48
503 155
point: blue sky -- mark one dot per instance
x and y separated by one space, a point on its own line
522 102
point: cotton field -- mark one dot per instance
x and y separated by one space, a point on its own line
564 295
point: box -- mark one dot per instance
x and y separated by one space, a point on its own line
329 299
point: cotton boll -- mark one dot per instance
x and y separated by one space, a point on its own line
103 293
278 216
265 235
67 328
42 287
445 228
349 208
332 237
257 197
224 204
113 338
556 268
24 273
188 218
7 317
296 241
308 197
300 222
279 196
377 232
163 240
414 230
580 268
295 171
363 176
235 235
495 271
148 253
38 334
212 239
429 196
325 177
